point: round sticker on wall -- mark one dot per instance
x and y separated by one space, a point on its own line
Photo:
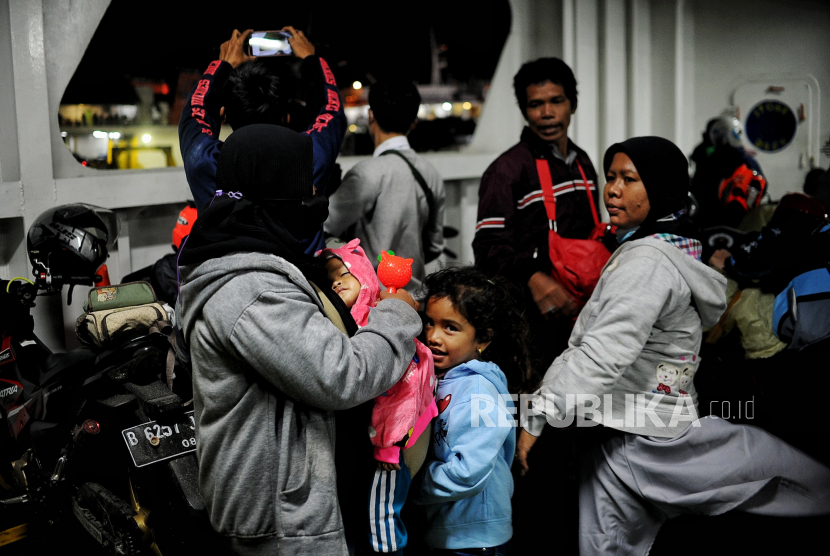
771 125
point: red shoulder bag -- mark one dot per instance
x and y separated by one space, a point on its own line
577 263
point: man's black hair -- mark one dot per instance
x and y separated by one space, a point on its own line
252 95
394 104
541 70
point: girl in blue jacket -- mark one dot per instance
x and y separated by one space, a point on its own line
477 337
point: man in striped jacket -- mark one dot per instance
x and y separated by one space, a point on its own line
512 231
512 240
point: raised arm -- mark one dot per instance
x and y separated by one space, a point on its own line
329 126
201 120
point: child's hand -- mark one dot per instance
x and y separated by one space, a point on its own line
523 446
383 466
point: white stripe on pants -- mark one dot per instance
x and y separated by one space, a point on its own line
378 523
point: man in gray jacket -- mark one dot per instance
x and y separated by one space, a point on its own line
271 361
381 201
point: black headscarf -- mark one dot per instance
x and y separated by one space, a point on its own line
264 203
664 171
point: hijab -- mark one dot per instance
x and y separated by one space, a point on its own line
264 203
664 171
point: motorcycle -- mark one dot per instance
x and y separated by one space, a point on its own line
98 451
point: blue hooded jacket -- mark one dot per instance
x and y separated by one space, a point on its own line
466 489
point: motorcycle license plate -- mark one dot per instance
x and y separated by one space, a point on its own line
153 442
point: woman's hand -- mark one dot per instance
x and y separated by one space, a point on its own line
523 445
403 295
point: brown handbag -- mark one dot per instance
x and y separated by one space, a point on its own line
577 263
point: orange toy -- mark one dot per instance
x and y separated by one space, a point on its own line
394 272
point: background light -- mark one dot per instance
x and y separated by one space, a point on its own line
467 105
352 128
99 134
447 106
115 135
146 138
357 85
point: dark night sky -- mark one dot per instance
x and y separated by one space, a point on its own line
159 39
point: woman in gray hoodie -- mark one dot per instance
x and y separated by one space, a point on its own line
270 360
630 366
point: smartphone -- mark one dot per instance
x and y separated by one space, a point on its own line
269 43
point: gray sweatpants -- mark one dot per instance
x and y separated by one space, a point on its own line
632 484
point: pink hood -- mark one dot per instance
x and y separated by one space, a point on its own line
361 268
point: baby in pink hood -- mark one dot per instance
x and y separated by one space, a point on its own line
399 416
397 412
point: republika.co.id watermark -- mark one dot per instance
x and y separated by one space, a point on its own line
589 410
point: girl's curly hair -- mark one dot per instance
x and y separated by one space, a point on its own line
491 306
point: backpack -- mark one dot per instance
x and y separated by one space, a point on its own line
117 314
801 314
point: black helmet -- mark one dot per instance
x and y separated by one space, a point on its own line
67 244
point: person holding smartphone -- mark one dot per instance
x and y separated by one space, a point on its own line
239 90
